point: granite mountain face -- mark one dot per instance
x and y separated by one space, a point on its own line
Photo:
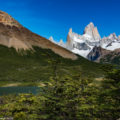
13 34
92 32
84 44
90 45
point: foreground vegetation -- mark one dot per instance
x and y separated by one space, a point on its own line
67 99
70 90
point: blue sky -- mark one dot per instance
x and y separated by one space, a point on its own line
55 17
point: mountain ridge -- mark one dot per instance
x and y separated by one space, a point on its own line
90 41
13 34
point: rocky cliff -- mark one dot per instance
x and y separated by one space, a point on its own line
97 53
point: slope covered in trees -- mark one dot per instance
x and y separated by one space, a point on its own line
67 99
41 64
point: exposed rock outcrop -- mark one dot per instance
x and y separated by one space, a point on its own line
92 32
6 19
97 53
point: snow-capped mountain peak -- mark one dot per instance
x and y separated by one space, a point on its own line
92 32
51 39
111 42
61 43
113 36
85 43
82 44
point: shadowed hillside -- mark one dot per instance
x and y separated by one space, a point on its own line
40 64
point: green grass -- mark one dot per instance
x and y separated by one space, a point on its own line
40 65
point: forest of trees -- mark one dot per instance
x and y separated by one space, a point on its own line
67 99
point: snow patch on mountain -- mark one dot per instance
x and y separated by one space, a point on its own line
111 42
113 46
82 53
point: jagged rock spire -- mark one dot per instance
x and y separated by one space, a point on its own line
70 31
69 37
92 31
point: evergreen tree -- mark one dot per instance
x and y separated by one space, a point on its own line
68 99
109 99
